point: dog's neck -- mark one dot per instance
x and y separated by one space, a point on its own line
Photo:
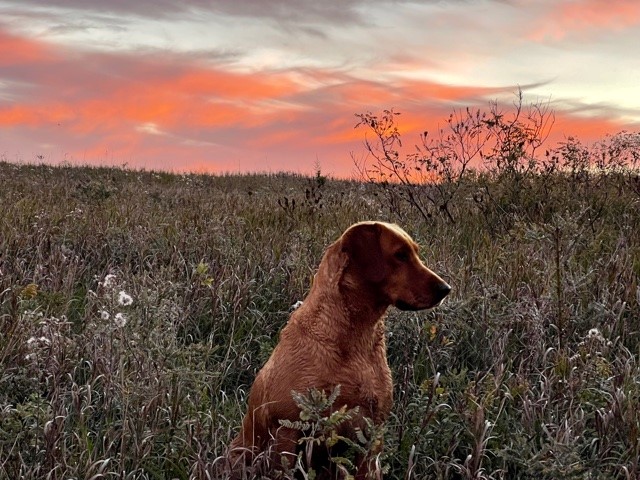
357 325
364 307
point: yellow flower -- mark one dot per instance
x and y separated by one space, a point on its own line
29 291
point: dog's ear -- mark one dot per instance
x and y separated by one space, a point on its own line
361 243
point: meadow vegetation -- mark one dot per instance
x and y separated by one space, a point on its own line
136 308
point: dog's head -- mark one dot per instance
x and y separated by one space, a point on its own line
383 259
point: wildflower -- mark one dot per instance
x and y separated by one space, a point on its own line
40 341
594 332
109 281
104 315
124 298
30 291
120 320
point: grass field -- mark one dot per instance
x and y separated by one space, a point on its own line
137 307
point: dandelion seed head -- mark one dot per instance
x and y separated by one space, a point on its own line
124 298
109 281
120 320
104 315
38 341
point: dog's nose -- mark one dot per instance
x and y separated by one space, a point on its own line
442 290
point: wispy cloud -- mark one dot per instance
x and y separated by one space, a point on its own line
271 85
296 11
586 19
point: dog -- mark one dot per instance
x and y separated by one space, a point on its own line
337 337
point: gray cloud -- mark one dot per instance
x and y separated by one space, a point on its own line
288 11
596 109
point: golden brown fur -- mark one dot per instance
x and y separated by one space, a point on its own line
337 336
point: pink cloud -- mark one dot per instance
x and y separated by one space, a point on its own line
589 16
15 50
161 112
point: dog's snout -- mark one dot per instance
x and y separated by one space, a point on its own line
442 290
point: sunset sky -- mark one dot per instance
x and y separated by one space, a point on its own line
258 85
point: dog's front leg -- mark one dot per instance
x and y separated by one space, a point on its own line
285 443
367 469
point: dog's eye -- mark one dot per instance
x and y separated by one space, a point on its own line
402 255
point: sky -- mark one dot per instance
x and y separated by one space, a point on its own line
227 86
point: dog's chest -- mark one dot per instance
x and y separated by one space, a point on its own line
366 383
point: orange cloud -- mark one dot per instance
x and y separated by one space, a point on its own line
34 115
615 14
16 50
110 92
161 112
586 129
17 115
235 85
566 18
451 93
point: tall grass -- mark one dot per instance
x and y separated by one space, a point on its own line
528 370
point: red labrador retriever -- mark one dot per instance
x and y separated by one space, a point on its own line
337 337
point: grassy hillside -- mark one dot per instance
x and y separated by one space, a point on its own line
136 308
